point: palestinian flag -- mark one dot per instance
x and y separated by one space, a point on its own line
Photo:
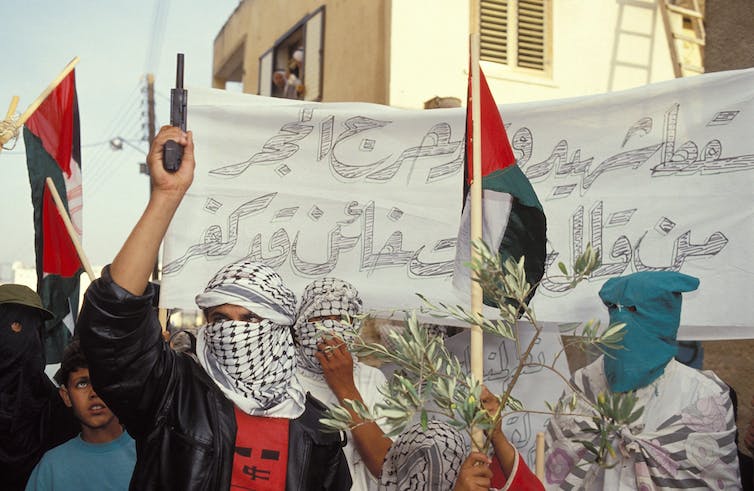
53 149
513 221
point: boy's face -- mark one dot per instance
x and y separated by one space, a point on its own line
88 408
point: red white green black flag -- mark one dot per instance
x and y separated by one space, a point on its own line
53 149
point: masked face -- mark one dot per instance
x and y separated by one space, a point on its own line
427 459
257 356
310 333
24 387
649 303
645 351
324 302
21 347
246 347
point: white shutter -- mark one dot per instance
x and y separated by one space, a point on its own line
313 56
265 74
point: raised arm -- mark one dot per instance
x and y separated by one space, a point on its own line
133 264
517 474
337 367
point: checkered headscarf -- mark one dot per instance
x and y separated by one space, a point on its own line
428 459
327 296
252 362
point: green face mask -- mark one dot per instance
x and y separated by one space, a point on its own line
649 303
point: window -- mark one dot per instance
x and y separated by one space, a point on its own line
292 68
516 33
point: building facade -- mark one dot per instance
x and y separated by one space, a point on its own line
404 53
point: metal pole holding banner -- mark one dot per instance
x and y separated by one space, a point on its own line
476 346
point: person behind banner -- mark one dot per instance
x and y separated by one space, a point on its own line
327 370
236 419
103 455
33 418
685 436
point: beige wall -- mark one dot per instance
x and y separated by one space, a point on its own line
404 52
429 51
354 43
598 46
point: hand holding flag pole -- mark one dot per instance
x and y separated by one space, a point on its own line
9 127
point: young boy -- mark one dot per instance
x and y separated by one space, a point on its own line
102 456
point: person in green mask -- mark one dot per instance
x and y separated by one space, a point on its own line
684 438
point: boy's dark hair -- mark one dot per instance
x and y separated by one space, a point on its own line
73 359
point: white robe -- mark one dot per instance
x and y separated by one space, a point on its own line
684 439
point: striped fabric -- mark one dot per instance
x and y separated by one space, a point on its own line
683 440
253 363
324 297
420 459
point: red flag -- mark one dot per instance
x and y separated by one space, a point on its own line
513 222
55 124
496 149
59 255
53 150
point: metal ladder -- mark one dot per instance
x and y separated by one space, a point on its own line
688 9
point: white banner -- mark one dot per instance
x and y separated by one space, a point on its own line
659 177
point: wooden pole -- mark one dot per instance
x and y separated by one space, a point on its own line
34 105
476 194
12 107
539 463
476 346
69 227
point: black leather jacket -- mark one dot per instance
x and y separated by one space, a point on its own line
184 427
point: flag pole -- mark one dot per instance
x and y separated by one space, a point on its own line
539 462
476 347
12 107
34 105
69 227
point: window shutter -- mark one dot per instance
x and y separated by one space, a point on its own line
313 57
531 34
493 30
265 74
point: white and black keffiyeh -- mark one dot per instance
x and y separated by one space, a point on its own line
420 459
253 363
327 296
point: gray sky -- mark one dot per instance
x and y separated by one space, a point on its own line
117 44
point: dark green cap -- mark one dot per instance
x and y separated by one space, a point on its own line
23 295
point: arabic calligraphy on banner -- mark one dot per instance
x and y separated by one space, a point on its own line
658 178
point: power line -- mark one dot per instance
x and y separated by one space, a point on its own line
119 122
154 48
124 111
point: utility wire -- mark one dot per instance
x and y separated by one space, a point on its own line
154 48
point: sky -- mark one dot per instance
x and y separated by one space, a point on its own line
117 43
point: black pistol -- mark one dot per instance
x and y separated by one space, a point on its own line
172 151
